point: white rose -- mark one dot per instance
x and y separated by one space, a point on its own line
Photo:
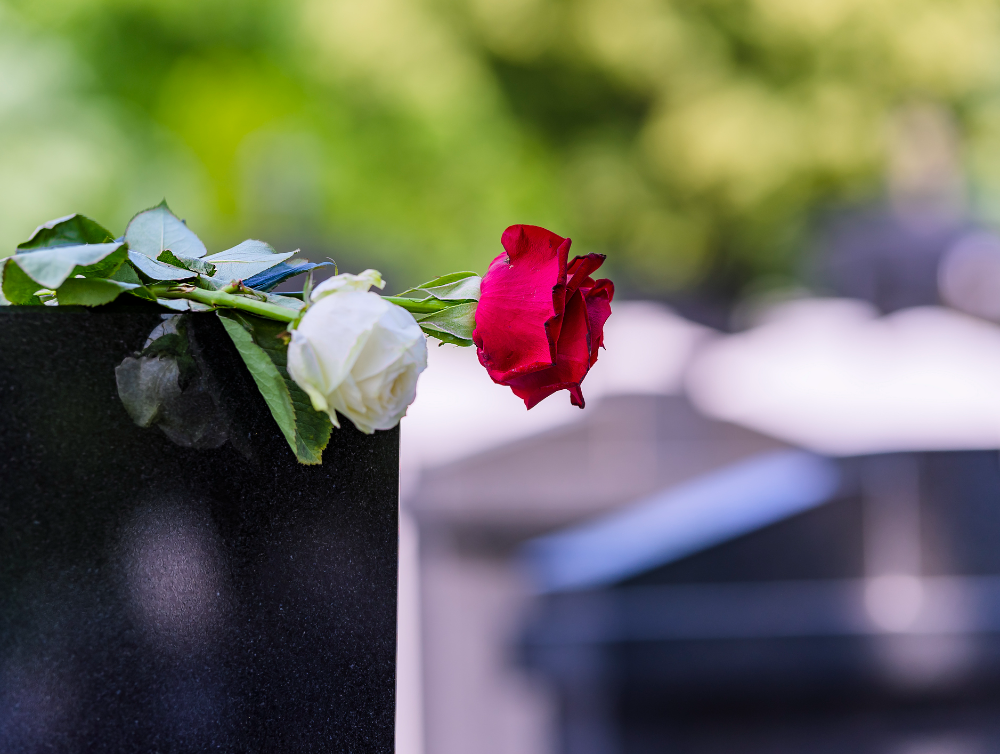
356 353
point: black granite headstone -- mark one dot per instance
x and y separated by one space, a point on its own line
161 598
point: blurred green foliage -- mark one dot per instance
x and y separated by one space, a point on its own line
685 138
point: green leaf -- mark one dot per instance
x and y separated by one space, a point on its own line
245 260
458 286
266 356
106 267
155 230
125 274
269 380
209 284
72 230
188 263
446 337
51 266
18 288
295 304
91 291
158 270
457 321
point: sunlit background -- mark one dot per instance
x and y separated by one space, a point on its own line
693 141
798 201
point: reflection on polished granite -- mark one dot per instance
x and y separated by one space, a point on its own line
155 597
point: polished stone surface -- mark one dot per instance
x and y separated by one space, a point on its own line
160 598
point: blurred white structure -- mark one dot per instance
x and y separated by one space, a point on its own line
832 376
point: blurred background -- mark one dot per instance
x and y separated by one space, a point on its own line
775 526
697 142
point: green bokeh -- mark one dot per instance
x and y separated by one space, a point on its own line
684 138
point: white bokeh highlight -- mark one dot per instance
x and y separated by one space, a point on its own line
833 377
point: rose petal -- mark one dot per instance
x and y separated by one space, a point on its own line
578 271
572 360
519 316
598 301
357 354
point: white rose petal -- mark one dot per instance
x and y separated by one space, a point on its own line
356 353
348 282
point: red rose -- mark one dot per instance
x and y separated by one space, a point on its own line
540 320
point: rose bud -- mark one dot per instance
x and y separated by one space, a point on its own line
356 353
540 320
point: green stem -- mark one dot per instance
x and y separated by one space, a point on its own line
424 306
226 300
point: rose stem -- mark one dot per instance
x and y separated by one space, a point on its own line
227 300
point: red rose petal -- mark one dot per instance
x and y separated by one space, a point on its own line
520 309
540 320
579 269
572 361
598 300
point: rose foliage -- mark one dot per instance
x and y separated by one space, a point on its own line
339 350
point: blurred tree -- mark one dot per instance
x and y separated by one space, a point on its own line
689 139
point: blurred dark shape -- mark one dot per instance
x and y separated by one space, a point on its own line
155 597
891 260
870 623
891 254
682 520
